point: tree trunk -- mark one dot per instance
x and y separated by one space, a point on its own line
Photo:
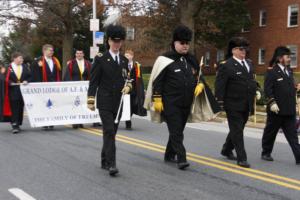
67 49
188 9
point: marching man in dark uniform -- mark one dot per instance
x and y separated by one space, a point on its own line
137 95
281 108
235 90
78 69
17 73
46 69
172 87
108 78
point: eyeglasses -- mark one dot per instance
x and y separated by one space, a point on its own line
184 42
242 48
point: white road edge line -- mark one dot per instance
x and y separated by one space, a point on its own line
20 194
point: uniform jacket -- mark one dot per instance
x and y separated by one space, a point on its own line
280 88
177 82
107 81
178 89
235 87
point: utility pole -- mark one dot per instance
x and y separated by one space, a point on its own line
94 27
94 17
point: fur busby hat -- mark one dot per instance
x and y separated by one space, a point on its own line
182 33
236 42
279 52
115 32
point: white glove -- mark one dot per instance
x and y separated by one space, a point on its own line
274 108
258 95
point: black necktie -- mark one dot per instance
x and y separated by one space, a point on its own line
244 65
116 59
287 72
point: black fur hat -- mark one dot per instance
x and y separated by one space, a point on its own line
115 32
279 51
236 42
182 33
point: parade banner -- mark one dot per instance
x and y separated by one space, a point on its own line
62 103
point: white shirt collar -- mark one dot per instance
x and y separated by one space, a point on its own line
239 60
113 55
14 65
281 67
80 61
47 59
245 62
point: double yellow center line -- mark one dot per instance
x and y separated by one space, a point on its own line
211 162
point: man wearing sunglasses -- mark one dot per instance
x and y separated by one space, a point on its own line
235 90
170 93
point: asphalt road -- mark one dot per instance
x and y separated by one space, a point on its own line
64 164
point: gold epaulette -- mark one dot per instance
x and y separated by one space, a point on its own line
223 62
99 54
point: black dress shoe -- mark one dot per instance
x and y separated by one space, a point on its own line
244 164
50 128
128 125
229 155
97 124
15 131
81 126
113 171
45 128
75 126
183 165
267 157
170 160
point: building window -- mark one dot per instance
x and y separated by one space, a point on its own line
207 59
294 55
261 56
293 15
262 18
130 33
247 27
220 55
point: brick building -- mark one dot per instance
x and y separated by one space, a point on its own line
274 23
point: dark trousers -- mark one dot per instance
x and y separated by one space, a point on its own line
235 139
176 122
17 109
108 154
274 123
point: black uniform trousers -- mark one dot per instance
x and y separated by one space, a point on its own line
274 123
235 139
176 122
17 110
108 154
